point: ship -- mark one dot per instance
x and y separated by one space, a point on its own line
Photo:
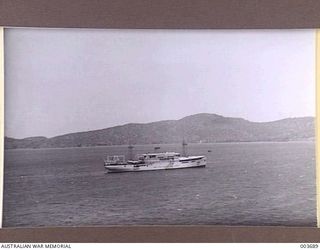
153 161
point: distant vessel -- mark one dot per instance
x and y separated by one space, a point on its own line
153 161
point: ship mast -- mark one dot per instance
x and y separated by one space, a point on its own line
184 149
130 152
130 146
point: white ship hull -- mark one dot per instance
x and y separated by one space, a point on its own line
183 162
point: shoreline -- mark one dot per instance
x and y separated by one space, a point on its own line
166 144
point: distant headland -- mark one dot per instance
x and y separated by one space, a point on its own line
203 128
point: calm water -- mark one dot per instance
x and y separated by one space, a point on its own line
243 184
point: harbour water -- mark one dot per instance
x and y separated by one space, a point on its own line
243 184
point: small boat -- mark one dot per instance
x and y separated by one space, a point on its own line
153 161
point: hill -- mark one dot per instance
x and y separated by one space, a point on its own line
195 128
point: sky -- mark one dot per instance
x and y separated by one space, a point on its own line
59 81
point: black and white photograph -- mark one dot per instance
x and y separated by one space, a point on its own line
159 127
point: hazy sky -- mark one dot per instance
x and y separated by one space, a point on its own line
68 80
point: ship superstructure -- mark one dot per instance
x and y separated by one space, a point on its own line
153 161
